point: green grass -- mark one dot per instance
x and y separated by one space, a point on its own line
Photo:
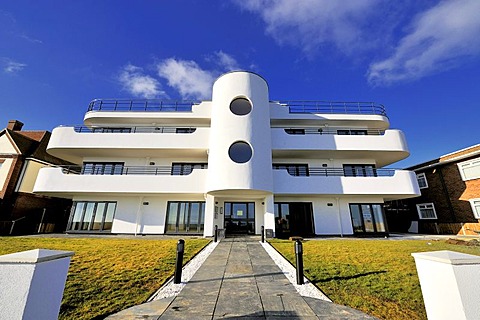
108 275
377 277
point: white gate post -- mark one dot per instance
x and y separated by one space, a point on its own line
450 284
32 283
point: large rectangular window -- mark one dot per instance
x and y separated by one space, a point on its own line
426 211
293 219
91 216
475 207
367 218
103 168
470 170
359 170
293 169
183 169
185 217
422 180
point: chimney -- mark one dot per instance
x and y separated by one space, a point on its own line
15 125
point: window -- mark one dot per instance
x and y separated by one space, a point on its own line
297 170
240 106
185 217
112 130
426 211
185 130
367 218
470 170
295 131
91 216
359 170
183 169
475 207
112 168
240 152
422 180
347 132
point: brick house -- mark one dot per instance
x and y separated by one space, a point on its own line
22 155
450 199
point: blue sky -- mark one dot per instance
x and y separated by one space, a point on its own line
421 59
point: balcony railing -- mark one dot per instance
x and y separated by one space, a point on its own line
334 131
150 105
126 170
85 129
341 172
334 107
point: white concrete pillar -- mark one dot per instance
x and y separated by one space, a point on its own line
450 284
269 216
32 283
209 223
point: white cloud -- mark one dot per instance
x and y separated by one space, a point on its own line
438 39
12 67
343 25
139 84
226 61
187 78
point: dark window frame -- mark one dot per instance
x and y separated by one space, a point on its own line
294 169
186 168
188 204
92 219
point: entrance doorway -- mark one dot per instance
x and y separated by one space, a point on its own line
293 219
240 217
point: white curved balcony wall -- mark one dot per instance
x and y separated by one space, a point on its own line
386 149
67 144
227 128
280 115
200 115
53 182
403 184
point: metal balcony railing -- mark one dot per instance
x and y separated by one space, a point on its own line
126 170
341 172
333 107
150 105
85 129
334 131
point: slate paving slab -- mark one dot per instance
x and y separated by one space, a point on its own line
239 280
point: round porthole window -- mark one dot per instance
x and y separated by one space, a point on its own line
240 106
240 152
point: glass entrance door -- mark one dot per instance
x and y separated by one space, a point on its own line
367 219
240 217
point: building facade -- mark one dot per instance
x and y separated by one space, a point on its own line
450 196
22 155
238 162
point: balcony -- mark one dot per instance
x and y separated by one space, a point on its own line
69 181
385 147
76 142
387 183
147 111
328 112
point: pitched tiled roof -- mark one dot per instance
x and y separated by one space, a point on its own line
33 144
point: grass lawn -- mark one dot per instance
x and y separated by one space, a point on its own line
378 277
108 275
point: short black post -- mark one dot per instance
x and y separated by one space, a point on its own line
177 278
215 236
263 234
299 260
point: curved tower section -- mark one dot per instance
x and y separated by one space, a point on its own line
240 153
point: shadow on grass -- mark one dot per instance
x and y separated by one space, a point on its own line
349 277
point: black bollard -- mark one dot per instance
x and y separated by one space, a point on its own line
299 260
215 236
263 234
177 278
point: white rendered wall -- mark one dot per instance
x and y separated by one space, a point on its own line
450 283
227 128
32 283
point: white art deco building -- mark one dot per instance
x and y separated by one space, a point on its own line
239 162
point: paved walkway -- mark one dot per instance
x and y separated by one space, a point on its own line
239 280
